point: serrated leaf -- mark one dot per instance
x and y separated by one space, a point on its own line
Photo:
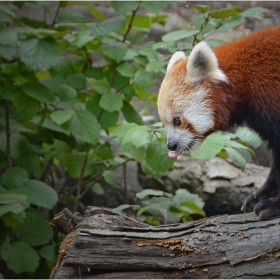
42 195
39 54
225 13
231 23
14 177
157 157
71 16
210 147
76 81
73 164
130 114
34 230
123 7
143 79
62 116
111 102
178 35
108 26
84 126
116 50
236 157
39 92
155 66
109 177
101 86
19 257
65 93
141 137
154 6
8 36
13 207
127 69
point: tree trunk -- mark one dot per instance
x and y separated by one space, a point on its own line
104 244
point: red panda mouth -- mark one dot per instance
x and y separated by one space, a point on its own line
174 154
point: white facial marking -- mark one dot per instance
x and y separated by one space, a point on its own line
177 56
198 113
203 63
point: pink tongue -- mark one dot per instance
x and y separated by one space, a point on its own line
174 154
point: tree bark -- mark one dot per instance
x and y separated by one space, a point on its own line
104 244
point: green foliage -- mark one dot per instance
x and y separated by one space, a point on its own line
66 99
164 208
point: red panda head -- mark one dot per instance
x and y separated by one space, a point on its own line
184 104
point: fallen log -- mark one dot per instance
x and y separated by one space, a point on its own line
106 245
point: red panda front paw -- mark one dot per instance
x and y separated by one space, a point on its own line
268 209
249 203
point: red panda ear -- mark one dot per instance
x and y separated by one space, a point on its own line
202 63
177 56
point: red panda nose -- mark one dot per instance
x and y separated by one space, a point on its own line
172 146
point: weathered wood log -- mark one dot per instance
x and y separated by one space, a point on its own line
108 245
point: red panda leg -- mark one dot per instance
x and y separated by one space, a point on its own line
268 209
268 190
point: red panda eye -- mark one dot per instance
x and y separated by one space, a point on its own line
177 121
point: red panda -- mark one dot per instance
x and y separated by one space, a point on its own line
234 84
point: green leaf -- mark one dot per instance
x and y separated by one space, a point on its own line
74 163
39 54
72 16
49 252
120 208
97 14
8 36
109 177
65 93
210 147
154 6
201 8
155 66
101 86
248 136
84 126
157 157
42 195
116 50
231 23
123 7
141 21
35 230
31 163
13 207
225 13
130 114
14 177
62 116
97 189
127 69
153 208
236 157
76 81
146 192
178 35
183 195
7 52
194 208
26 106
141 137
6 198
108 26
39 92
199 21
111 102
20 257
215 43
143 79
253 12
105 152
